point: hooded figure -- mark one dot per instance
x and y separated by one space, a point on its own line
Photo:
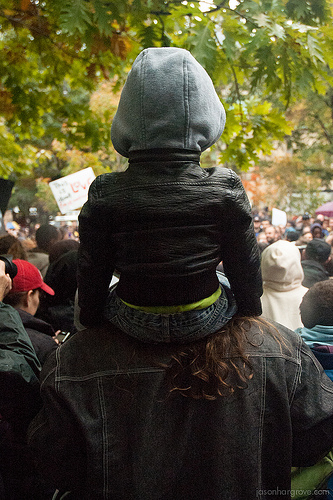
168 102
166 223
282 276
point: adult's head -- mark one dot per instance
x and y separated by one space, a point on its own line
11 245
271 234
46 236
317 305
281 266
306 231
168 102
26 286
325 223
317 230
291 234
265 223
318 250
306 220
261 238
62 247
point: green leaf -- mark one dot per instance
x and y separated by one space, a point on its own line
314 49
149 36
75 17
104 15
278 31
203 46
262 20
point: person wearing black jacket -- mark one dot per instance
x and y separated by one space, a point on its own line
19 402
166 223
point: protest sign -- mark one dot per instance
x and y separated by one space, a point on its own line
71 192
279 217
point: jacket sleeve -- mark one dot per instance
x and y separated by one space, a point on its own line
240 251
55 428
19 371
311 412
17 354
95 259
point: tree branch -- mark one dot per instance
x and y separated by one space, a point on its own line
326 133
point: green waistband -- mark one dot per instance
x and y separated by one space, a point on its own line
201 304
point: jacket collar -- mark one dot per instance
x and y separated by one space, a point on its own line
164 155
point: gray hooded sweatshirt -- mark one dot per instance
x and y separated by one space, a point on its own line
166 223
168 102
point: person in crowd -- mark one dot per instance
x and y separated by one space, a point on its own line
166 223
291 223
306 234
306 220
223 417
61 247
271 234
282 276
46 236
317 254
63 232
303 240
257 225
265 222
12 246
325 226
317 317
19 402
317 230
24 297
291 234
329 264
261 238
58 309
262 241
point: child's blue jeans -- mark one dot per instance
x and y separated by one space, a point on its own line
180 327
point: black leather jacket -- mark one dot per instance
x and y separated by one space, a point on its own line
165 224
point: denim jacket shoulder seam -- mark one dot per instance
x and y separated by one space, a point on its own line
275 355
99 374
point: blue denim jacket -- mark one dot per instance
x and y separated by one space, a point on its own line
110 429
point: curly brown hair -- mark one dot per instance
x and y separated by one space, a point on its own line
12 246
217 365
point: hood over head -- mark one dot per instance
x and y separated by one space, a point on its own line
281 266
168 102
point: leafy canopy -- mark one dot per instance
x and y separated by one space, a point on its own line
56 55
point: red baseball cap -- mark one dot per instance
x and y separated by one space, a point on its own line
28 278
